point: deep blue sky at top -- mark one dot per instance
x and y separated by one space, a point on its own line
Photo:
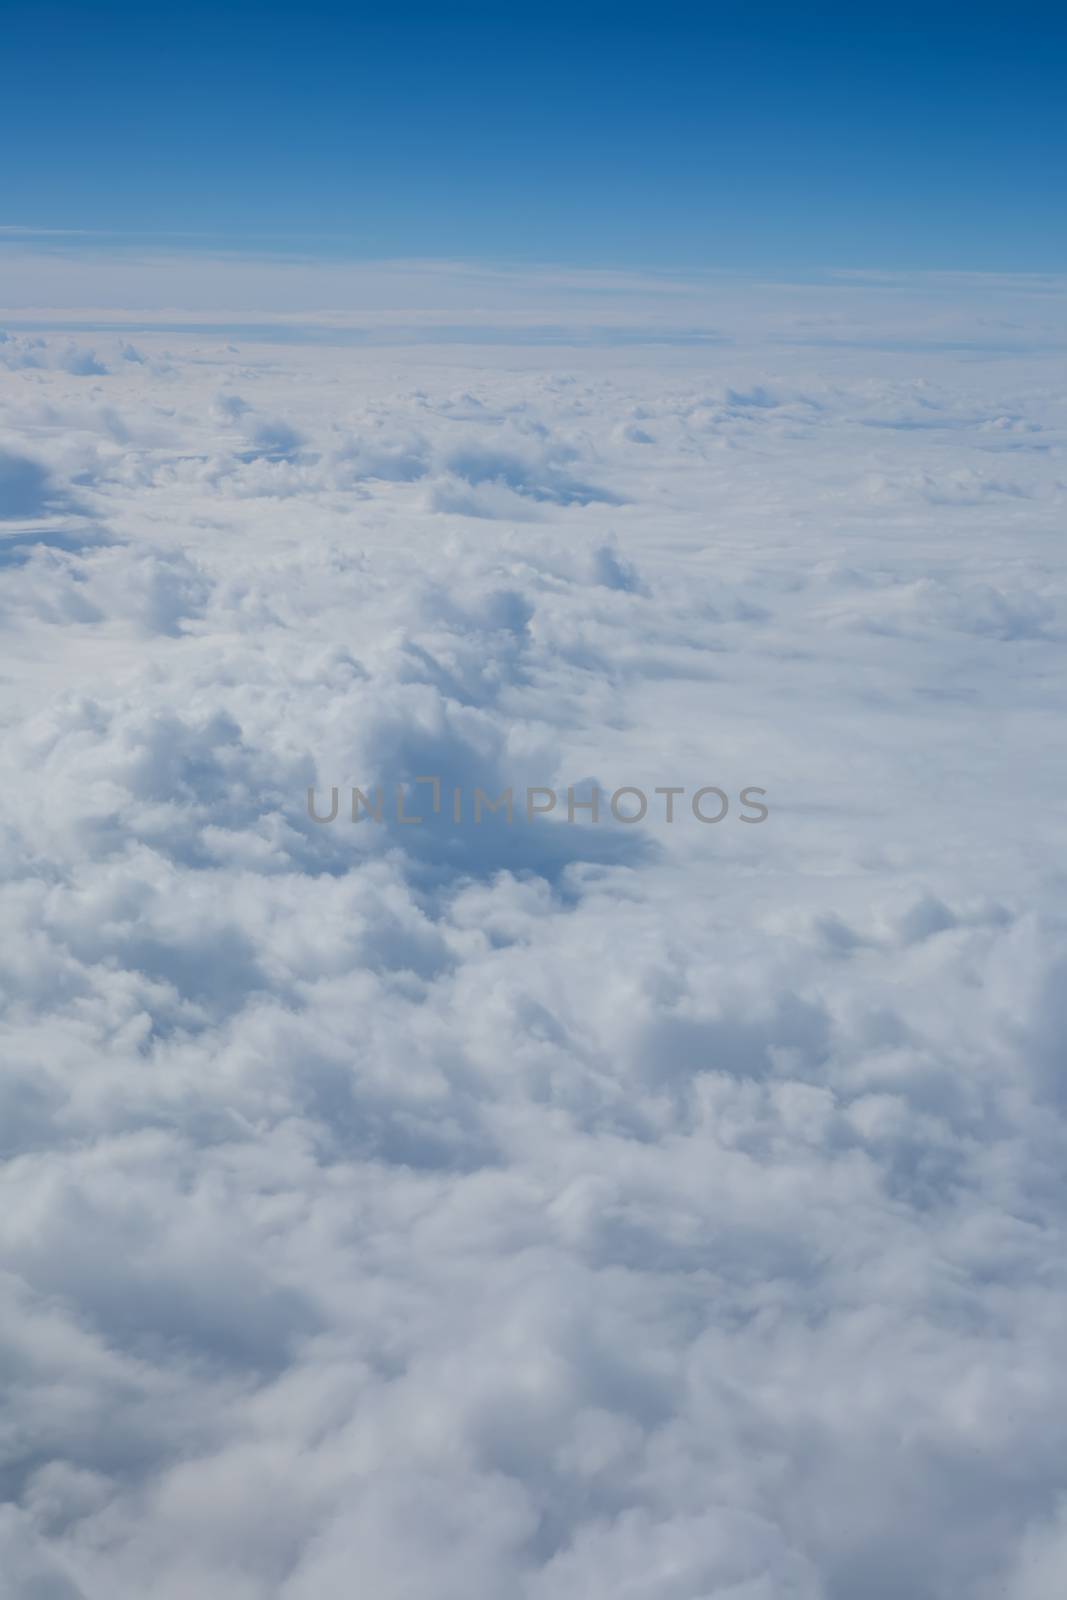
670 135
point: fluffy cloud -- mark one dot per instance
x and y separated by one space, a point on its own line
546 1209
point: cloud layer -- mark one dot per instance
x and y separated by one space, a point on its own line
550 1210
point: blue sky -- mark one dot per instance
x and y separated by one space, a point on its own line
665 135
